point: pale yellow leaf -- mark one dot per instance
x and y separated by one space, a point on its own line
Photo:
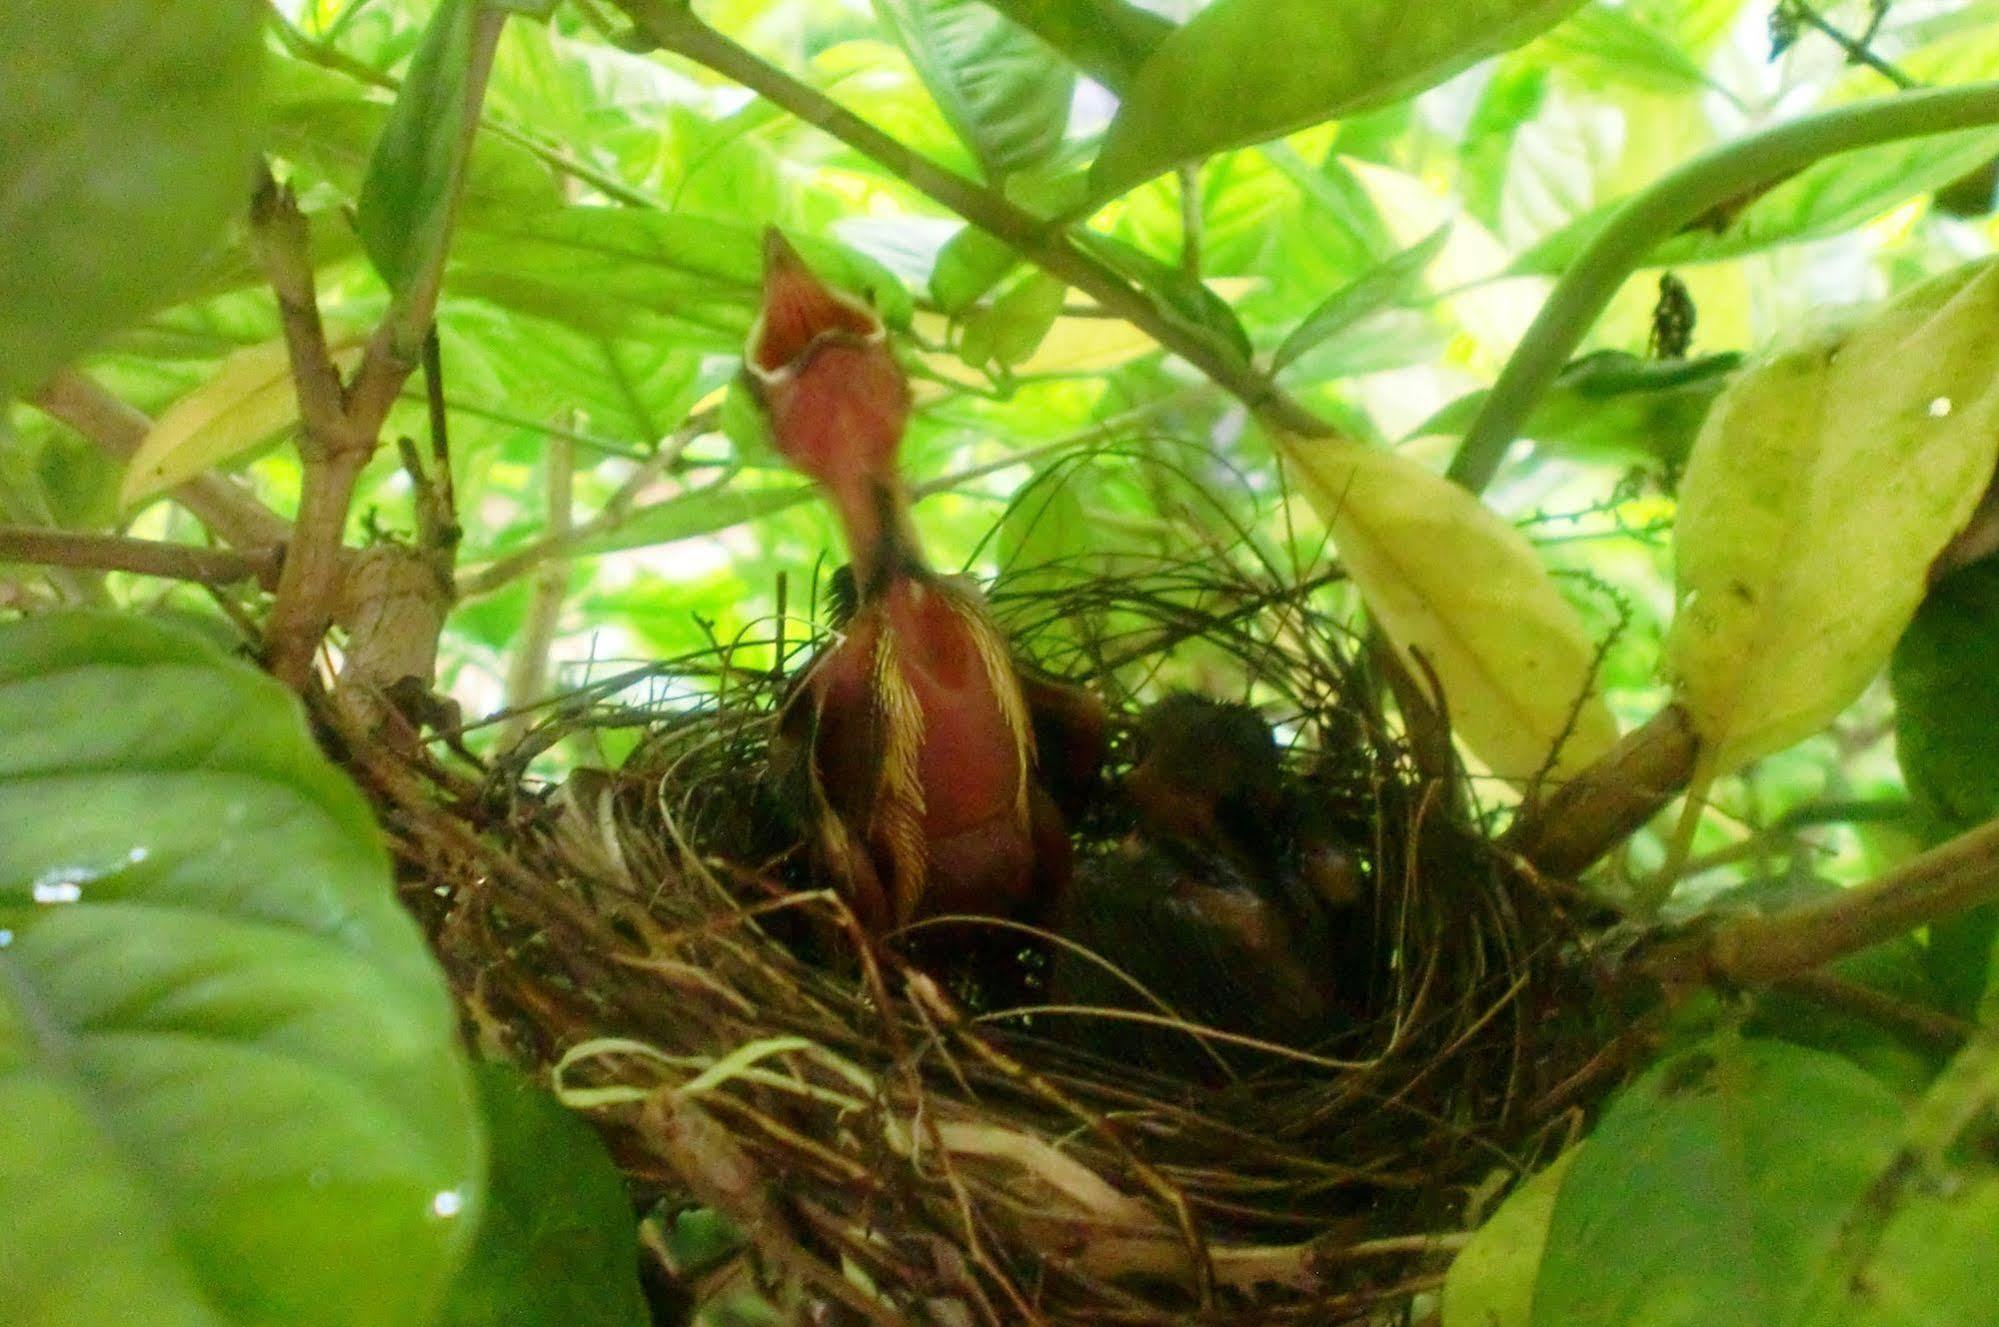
1491 1283
248 401
1824 483
1444 576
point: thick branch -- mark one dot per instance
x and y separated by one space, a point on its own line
674 28
144 557
1608 802
1756 950
332 449
217 502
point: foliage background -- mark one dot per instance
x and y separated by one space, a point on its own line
587 317
619 509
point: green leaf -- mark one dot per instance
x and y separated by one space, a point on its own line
127 137
970 264
1611 405
1608 46
606 270
1918 1249
1011 329
1822 486
417 170
558 1246
999 85
1174 292
1106 39
1946 711
1392 283
1491 1283
228 1063
1946 708
1713 1189
1244 71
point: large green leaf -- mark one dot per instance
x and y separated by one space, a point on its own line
1243 71
607 270
1714 1189
1001 87
1106 39
228 1064
558 1246
127 136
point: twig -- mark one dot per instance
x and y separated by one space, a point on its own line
143 557
1859 50
219 503
673 28
563 542
1190 219
527 671
1756 950
1932 1027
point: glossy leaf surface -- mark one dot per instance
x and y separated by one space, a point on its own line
228 1062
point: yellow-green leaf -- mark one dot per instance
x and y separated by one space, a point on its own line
1445 577
247 402
1491 1282
1824 483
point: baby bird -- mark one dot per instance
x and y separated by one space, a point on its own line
1223 904
910 732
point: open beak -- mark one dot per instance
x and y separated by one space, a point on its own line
801 314
819 366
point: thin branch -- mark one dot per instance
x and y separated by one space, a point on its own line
1662 211
1859 50
1757 950
527 670
673 28
616 510
142 557
1932 1027
218 502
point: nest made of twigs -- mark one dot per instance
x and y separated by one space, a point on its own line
895 1153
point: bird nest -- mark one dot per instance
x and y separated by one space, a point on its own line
892 1147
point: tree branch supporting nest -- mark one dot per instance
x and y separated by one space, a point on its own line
1762 949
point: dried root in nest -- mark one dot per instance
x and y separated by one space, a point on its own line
894 1150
